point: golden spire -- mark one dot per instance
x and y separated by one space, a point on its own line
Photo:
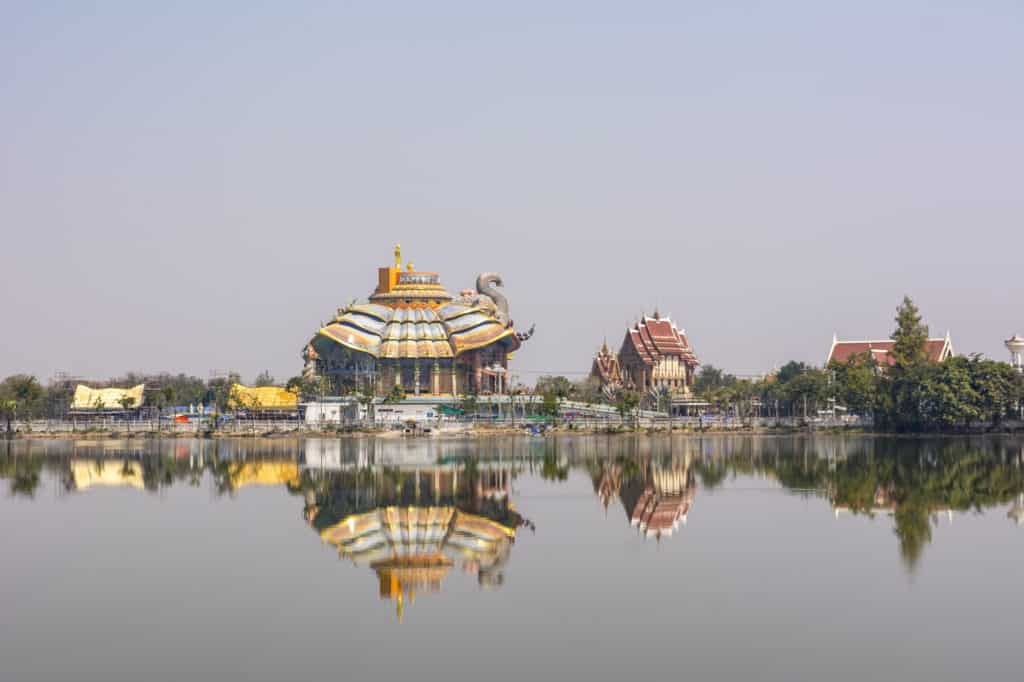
398 256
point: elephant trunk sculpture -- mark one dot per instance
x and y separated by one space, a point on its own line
486 285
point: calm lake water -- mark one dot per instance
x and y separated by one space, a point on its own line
590 558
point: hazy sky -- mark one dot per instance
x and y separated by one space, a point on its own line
189 186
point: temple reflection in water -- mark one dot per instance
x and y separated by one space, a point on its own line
416 511
413 518
656 493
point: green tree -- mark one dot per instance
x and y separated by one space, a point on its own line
944 395
560 386
910 335
855 383
626 403
219 392
25 390
127 402
9 411
549 404
807 389
306 387
366 395
995 384
710 379
470 405
395 395
790 371
664 401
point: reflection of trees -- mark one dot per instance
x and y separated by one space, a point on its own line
911 480
914 481
24 472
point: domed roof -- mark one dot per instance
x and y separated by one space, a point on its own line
416 332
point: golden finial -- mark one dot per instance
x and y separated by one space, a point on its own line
398 256
409 266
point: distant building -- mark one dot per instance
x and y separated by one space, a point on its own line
1015 344
937 350
606 370
655 355
414 335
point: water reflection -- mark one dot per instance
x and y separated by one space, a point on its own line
411 522
413 511
656 493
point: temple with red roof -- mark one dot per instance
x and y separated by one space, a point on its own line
937 350
655 356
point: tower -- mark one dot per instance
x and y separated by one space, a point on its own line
1015 344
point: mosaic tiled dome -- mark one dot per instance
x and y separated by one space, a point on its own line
420 332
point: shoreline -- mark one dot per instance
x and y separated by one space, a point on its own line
483 433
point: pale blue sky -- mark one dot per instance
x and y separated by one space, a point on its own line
189 186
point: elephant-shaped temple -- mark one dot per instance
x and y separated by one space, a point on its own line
414 335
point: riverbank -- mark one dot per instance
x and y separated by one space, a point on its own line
481 431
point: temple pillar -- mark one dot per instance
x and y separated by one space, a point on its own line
477 371
455 381
416 376
398 372
435 378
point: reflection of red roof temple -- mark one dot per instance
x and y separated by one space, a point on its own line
664 503
609 485
659 515
937 350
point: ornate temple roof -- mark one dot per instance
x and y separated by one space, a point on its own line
410 315
937 350
654 337
412 287
386 332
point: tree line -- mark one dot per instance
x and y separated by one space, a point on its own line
910 393
23 396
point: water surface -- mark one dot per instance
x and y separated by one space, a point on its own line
573 558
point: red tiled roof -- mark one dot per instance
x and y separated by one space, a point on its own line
606 367
653 338
842 351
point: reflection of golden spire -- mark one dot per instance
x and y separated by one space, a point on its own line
398 256
399 607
